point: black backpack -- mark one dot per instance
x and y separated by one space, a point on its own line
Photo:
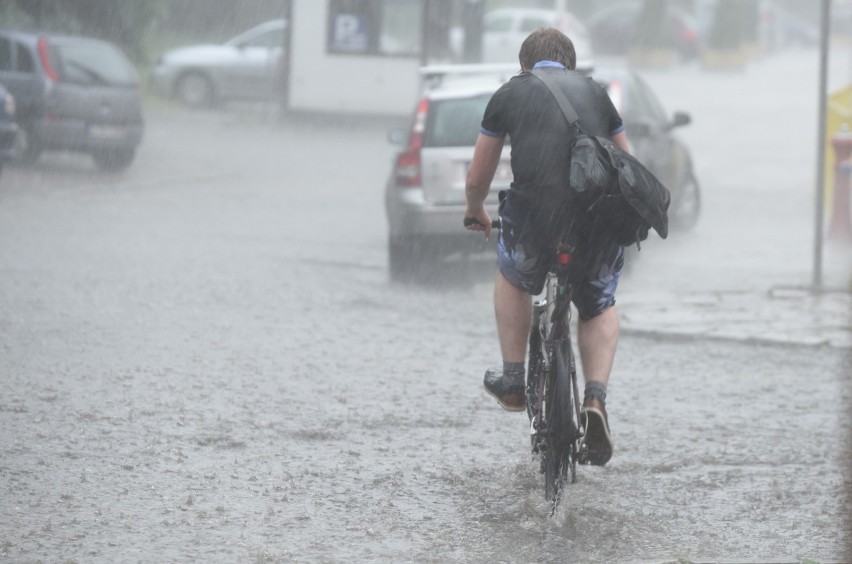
613 195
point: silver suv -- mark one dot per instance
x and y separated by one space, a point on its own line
424 195
73 94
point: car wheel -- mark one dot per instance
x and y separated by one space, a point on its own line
195 89
688 205
27 147
113 160
401 260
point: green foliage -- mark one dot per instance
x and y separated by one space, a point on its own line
751 20
218 20
138 26
124 22
728 30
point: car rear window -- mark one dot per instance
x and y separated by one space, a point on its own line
94 62
455 122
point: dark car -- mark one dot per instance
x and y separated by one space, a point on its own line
650 131
424 193
614 30
8 127
73 94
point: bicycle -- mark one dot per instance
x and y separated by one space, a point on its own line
552 395
553 403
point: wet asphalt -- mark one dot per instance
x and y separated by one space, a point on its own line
202 359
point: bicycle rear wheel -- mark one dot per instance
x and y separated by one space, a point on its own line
535 376
562 433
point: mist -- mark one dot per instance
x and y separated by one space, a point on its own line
209 353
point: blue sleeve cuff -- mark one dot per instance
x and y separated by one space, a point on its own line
618 129
490 133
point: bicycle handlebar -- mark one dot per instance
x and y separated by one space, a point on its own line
495 223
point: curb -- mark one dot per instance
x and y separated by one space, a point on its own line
659 334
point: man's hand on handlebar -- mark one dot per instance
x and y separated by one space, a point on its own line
478 221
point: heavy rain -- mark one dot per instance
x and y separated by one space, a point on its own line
212 348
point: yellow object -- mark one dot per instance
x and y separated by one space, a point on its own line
838 113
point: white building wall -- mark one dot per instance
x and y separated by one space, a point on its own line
325 82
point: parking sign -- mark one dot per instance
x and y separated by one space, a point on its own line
349 33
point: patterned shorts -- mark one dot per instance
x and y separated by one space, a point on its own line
525 266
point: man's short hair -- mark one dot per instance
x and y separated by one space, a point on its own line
547 44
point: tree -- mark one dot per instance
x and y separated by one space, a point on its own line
472 13
651 39
124 22
727 34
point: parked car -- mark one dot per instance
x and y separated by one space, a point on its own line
650 130
783 29
8 127
73 94
504 29
614 30
247 66
424 194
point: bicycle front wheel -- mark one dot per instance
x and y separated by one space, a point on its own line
562 433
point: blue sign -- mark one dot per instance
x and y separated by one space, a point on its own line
350 33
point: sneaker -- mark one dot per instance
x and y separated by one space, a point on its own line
596 444
509 393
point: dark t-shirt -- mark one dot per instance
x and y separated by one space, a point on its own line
538 206
525 110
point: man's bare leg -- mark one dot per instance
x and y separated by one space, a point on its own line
513 310
597 339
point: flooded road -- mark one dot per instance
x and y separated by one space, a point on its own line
203 360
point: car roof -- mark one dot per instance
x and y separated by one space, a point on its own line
464 88
611 72
460 80
20 35
443 82
31 37
258 29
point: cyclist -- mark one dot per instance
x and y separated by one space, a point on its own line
534 213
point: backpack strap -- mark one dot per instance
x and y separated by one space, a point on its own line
567 109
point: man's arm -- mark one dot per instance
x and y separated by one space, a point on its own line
620 140
486 157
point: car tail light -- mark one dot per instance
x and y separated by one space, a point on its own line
616 94
408 162
44 57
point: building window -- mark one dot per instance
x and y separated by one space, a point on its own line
375 27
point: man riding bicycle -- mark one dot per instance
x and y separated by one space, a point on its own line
535 211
